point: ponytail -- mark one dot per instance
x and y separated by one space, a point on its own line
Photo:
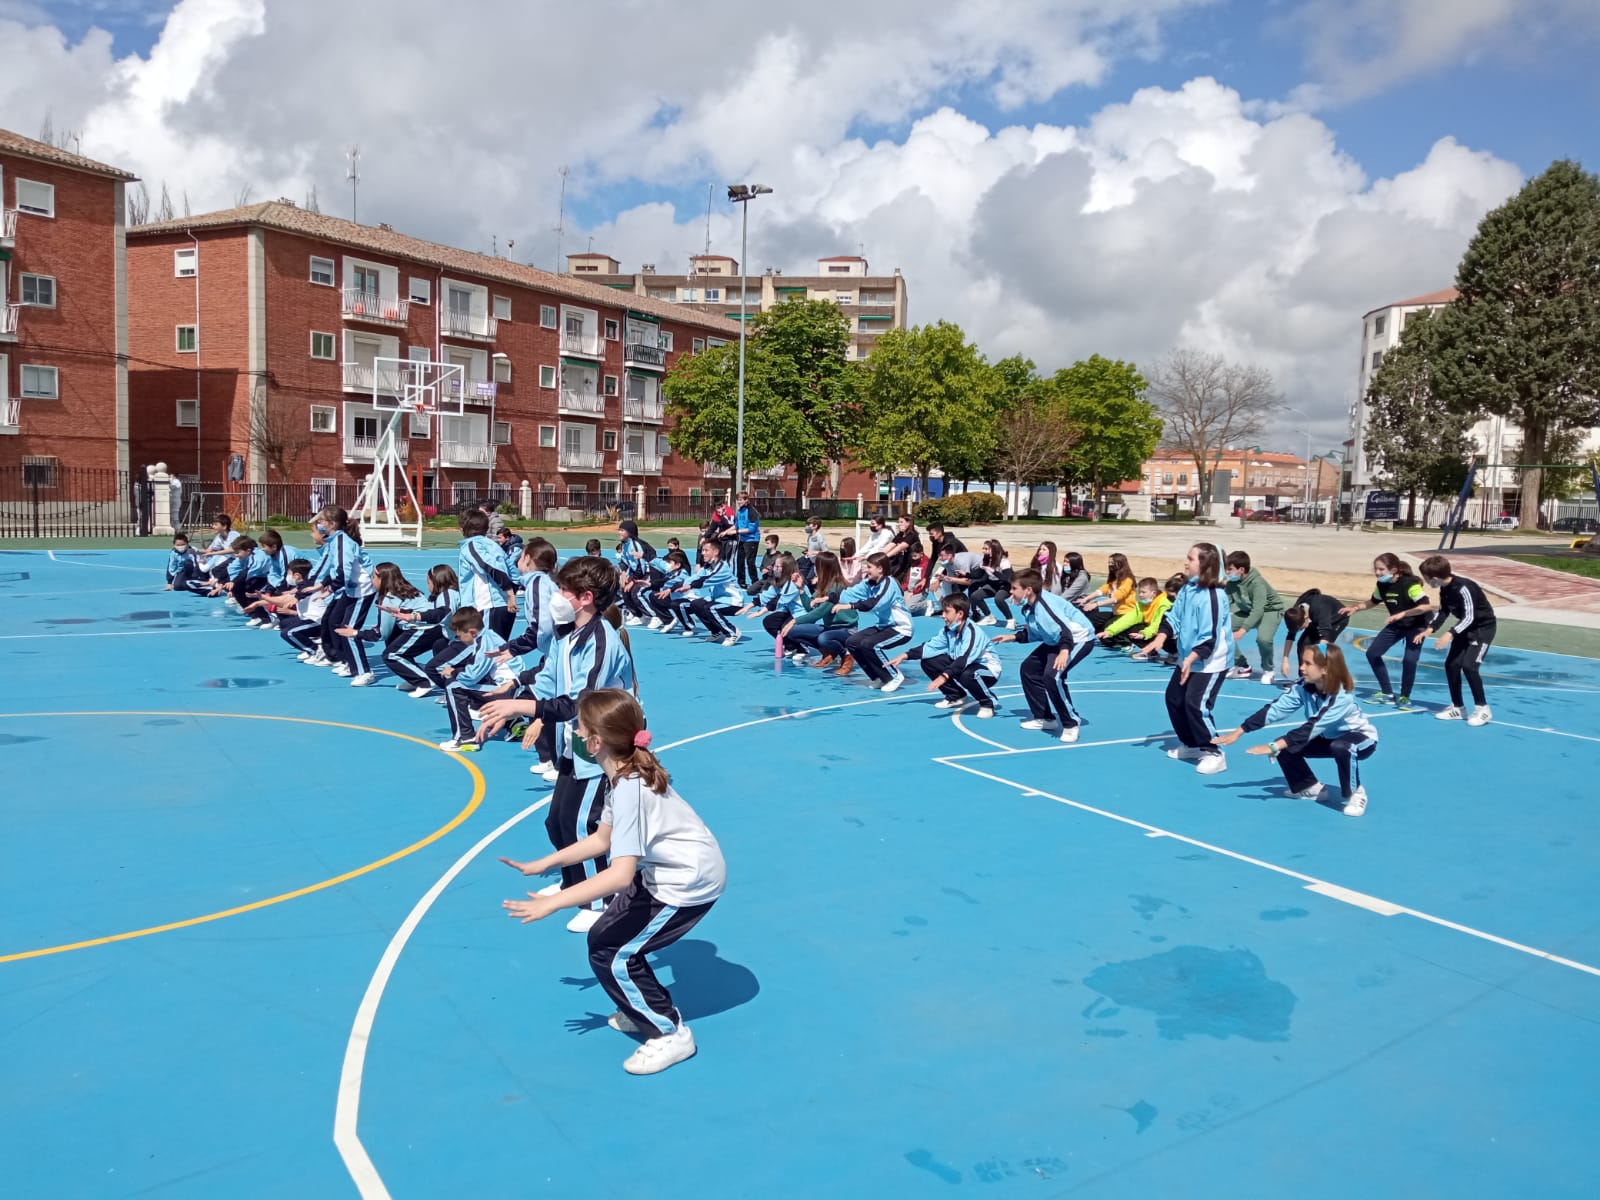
613 618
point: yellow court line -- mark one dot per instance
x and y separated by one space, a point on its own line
479 788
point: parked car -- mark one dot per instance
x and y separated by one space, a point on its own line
1503 525
1575 525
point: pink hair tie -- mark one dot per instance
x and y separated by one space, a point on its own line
641 740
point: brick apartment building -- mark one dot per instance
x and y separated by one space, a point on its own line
63 310
1257 479
257 335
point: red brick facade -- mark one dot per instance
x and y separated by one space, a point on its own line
71 254
501 438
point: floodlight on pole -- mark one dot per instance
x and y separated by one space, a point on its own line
1310 503
741 194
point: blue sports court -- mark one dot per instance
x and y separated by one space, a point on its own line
252 943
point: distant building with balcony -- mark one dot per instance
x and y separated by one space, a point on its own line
63 310
265 340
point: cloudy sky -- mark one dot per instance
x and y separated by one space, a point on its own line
1061 177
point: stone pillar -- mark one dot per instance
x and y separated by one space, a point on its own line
525 500
638 503
161 501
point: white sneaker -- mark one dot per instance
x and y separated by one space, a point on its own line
655 623
948 703
421 690
365 679
342 671
731 640
1356 804
1480 715
305 656
799 656
687 633
1449 714
1011 622
1039 723
668 626
985 713
584 920
1185 753
1307 793
630 619
1070 735
623 1023
551 773
875 684
450 746
895 683
1212 764
319 659
661 1052
986 621
1267 677
550 890
255 623
1240 673
539 768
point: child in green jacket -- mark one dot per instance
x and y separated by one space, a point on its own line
1256 605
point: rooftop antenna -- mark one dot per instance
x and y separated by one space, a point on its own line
561 216
709 188
354 176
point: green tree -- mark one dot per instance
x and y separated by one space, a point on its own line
1118 428
800 393
929 399
1523 341
1419 443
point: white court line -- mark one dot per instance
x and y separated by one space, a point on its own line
1582 737
1321 886
25 637
67 562
347 1110
72 592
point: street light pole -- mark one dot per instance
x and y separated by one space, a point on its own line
741 194
1309 503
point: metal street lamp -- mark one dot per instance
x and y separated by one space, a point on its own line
1307 416
741 194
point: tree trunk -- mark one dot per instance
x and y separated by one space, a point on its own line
1411 512
1533 445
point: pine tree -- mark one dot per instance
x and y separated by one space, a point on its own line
1523 342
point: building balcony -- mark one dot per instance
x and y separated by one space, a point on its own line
717 471
468 327
466 454
365 379
372 309
8 322
637 462
580 460
362 447
8 228
584 345
641 411
10 416
644 354
580 404
473 391
768 473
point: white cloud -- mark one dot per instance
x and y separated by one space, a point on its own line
1185 216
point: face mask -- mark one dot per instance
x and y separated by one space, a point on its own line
561 610
1385 578
1235 578
322 529
1043 558
580 749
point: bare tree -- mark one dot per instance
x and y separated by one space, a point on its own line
139 205
47 129
243 197
279 432
311 200
186 211
1033 443
164 205
1210 405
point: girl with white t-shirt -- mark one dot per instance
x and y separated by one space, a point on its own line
665 873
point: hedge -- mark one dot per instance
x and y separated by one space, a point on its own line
966 508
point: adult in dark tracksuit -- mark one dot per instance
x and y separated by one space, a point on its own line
1469 638
1065 636
747 523
1402 594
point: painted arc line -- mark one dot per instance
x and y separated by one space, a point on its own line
347 1108
479 789
67 562
1313 884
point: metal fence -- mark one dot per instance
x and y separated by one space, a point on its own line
45 499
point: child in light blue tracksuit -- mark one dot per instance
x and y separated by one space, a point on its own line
958 660
1065 637
1202 620
488 582
716 597
182 565
1332 726
477 677
783 599
883 623
665 601
426 631
535 576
